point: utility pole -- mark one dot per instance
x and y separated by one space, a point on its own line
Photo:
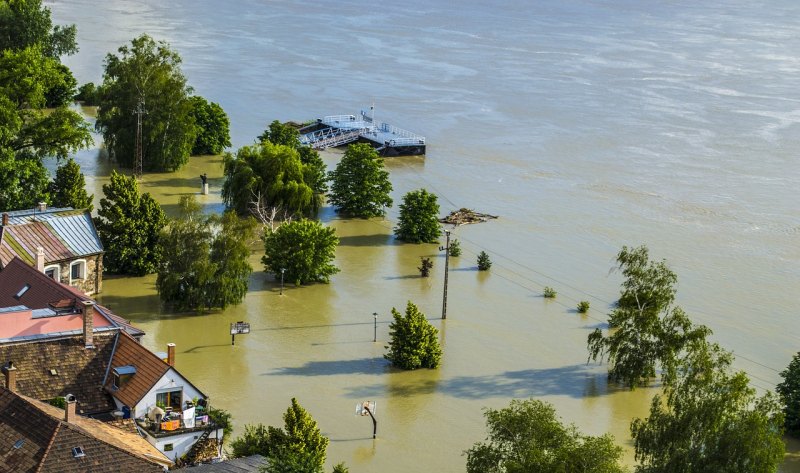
137 161
446 249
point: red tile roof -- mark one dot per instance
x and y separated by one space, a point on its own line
149 369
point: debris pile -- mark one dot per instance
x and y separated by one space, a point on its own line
466 216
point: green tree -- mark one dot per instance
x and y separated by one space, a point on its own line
147 71
304 248
484 263
285 460
266 176
24 181
414 342
129 224
455 248
223 419
527 437
708 419
279 133
648 331
62 92
25 23
360 185
789 391
213 134
69 187
207 265
419 214
340 468
88 94
314 173
256 440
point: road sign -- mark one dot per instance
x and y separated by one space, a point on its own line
239 328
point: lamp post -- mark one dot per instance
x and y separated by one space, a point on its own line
283 270
446 249
375 332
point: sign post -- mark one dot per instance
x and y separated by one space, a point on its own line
239 328
368 408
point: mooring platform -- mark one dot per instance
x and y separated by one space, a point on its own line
339 130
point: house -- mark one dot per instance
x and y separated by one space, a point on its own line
38 437
251 464
66 344
61 242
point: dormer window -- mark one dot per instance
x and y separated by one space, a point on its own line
122 375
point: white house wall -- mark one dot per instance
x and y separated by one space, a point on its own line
169 381
181 443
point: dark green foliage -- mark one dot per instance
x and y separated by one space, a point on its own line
25 23
528 437
298 447
206 266
708 419
648 331
340 468
789 391
425 268
266 176
222 418
549 293
69 188
360 185
150 71
583 307
59 402
414 342
88 94
62 91
129 224
281 134
484 263
213 133
419 215
24 181
455 248
305 248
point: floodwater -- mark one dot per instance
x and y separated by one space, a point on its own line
584 125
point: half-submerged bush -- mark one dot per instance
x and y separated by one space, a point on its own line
549 292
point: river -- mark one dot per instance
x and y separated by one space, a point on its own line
584 125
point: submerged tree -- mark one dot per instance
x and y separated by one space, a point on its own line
147 72
69 188
304 249
360 185
527 436
414 342
128 224
709 419
419 215
789 391
648 332
484 263
213 127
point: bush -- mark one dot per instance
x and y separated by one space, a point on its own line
549 292
414 341
484 263
583 307
425 269
455 248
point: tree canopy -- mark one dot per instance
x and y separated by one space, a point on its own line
709 419
69 187
128 225
266 175
414 342
206 266
25 23
360 185
150 71
789 391
419 214
213 127
648 332
304 248
527 437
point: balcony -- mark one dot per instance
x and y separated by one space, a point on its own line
176 423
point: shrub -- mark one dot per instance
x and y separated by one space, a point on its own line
549 292
583 307
455 248
425 269
484 263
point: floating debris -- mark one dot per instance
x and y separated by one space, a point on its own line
466 216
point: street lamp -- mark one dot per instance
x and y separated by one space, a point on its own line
283 270
375 332
446 249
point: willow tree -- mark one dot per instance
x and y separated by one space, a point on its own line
266 175
146 72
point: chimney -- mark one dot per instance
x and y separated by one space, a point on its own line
11 376
5 219
40 259
171 354
88 324
69 408
42 206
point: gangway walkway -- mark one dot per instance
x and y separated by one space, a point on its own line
338 130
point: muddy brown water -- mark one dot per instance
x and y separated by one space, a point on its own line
584 126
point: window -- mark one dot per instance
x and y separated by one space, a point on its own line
53 272
77 452
77 270
167 447
173 399
22 291
122 374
